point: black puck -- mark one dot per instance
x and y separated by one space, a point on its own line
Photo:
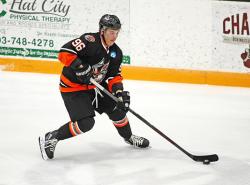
206 161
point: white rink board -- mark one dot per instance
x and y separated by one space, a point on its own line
169 34
231 35
44 25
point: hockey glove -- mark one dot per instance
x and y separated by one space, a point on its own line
124 102
82 71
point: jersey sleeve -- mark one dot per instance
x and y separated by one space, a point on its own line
115 76
71 50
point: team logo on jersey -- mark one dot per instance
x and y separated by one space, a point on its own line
90 38
113 54
100 70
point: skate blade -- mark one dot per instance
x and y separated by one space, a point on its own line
137 147
41 141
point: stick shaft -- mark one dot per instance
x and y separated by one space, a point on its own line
213 157
139 117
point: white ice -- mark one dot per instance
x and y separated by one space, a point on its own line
202 119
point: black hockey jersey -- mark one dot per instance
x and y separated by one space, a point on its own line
105 62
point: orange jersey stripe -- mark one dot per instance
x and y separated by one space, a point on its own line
73 86
72 89
66 81
66 58
116 79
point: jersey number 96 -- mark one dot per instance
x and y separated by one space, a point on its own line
78 44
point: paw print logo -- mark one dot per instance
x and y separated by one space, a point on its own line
2 12
246 57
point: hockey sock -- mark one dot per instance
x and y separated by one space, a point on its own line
121 123
63 132
123 127
71 129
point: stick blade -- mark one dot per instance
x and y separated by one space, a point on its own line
201 158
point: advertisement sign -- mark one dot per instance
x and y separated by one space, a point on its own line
231 36
38 28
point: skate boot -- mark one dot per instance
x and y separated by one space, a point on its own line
47 144
137 141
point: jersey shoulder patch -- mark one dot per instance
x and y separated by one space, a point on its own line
89 38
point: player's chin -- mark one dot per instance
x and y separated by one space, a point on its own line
111 43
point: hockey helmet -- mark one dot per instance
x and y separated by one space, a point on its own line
109 21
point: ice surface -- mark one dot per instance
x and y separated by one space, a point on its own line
202 119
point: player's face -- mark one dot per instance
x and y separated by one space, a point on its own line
110 36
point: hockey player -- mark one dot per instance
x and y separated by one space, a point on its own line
92 55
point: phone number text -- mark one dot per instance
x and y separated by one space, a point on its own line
22 41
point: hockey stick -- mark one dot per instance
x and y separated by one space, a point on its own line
206 159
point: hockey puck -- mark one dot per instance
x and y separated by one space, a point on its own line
206 161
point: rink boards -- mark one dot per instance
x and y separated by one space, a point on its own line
138 73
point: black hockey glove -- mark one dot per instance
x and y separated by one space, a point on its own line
124 102
82 71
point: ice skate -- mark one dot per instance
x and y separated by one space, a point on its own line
137 141
47 144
